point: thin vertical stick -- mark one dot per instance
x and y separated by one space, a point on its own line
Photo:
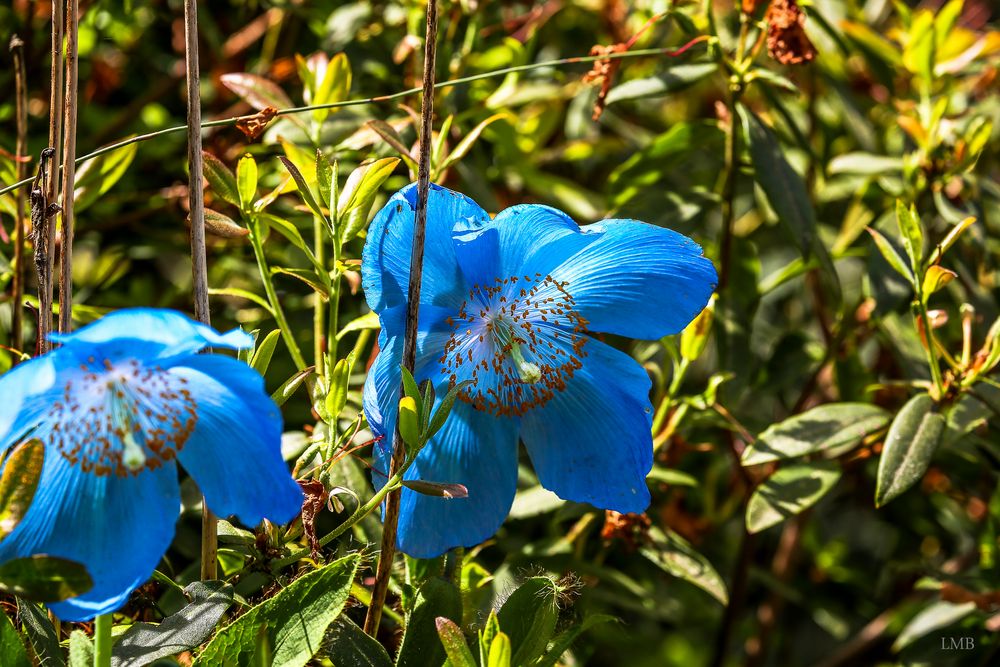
20 153
199 261
52 185
390 524
69 171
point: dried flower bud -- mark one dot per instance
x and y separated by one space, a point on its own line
787 41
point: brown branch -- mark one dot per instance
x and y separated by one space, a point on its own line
69 172
391 522
20 157
47 236
199 261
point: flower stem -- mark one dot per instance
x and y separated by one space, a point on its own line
69 172
102 640
923 321
199 260
21 150
272 297
389 525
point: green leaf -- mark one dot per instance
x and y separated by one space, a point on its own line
296 619
44 578
220 178
246 181
788 492
367 321
362 186
304 190
909 446
261 359
935 279
312 279
500 651
436 489
672 554
347 645
288 387
339 379
241 294
81 650
892 256
864 164
97 175
421 645
411 390
529 618
18 481
935 616
834 426
184 630
333 87
787 194
12 651
673 80
565 639
292 233
41 634
465 145
913 236
392 137
454 643
695 335
324 178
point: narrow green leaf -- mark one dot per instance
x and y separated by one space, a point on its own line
786 191
246 181
564 640
500 651
367 321
296 619
220 178
437 489
935 279
324 178
465 145
347 645
304 190
934 617
673 80
98 175
891 256
672 554
411 389
788 492
421 645
241 294
221 225
912 235
41 634
391 137
529 618
909 446
18 481
13 653
454 643
312 279
288 387
261 359
292 233
356 199
831 427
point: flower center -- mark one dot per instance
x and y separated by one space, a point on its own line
122 418
518 341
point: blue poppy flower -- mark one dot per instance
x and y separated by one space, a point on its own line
117 405
512 305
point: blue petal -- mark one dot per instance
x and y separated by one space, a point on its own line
175 332
475 449
116 527
385 266
234 452
637 280
27 392
591 442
